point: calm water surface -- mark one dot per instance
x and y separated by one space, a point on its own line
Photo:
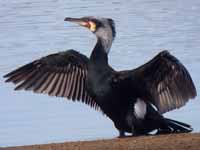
32 29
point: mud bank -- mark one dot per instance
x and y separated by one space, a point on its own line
189 141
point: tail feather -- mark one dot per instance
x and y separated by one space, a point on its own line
177 126
178 122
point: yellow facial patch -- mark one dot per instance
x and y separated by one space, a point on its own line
92 26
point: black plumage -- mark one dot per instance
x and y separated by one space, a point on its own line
133 99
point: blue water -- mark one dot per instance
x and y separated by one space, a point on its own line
32 29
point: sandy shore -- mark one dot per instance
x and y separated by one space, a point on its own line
189 141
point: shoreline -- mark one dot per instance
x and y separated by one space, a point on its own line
182 141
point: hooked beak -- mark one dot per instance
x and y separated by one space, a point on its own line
80 21
85 22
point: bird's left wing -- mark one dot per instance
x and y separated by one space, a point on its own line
61 74
163 81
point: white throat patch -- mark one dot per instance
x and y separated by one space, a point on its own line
140 109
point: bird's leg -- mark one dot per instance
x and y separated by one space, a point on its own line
133 131
121 134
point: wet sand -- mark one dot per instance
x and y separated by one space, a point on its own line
189 141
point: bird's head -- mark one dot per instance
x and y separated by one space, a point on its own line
101 27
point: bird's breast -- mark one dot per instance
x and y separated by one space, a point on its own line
98 84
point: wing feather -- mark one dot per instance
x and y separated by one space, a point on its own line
164 82
61 74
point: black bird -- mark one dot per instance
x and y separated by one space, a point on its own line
133 99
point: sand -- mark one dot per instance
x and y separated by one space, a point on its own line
189 141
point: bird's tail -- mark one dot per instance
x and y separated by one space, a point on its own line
174 126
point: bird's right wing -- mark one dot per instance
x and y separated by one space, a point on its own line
61 74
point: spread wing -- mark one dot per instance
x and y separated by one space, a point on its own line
163 81
61 74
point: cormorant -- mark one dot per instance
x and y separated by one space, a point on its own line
133 99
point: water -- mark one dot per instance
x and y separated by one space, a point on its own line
31 29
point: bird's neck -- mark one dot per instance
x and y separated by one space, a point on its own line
106 42
100 51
